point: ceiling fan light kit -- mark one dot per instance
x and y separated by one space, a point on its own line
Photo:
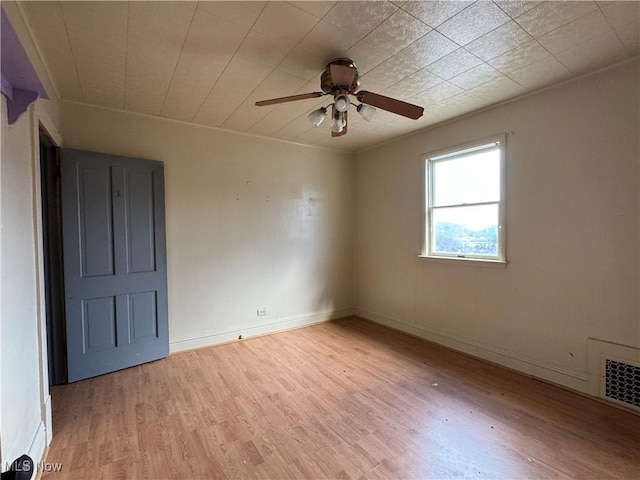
340 79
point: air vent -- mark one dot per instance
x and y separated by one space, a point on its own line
622 382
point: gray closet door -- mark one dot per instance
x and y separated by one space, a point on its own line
115 273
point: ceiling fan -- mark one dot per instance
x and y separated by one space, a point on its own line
340 79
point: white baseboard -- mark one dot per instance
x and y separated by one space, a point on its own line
188 342
48 420
38 446
558 374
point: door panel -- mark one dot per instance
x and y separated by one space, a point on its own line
140 225
114 262
96 220
98 324
143 319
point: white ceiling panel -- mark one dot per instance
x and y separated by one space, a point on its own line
476 76
369 56
277 84
319 8
302 64
622 12
328 41
98 37
435 13
369 15
453 64
594 54
387 73
498 90
541 73
276 14
437 94
515 8
241 13
54 41
237 82
499 41
630 36
426 50
157 32
520 57
415 83
208 62
575 33
209 46
397 32
473 22
548 16
262 49
293 130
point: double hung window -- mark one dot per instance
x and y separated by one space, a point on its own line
465 204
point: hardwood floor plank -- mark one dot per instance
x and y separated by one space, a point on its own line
345 400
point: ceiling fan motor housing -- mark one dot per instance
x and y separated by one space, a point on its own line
346 80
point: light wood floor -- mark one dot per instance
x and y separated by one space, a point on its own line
346 399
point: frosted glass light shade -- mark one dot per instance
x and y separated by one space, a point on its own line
317 116
337 123
342 103
366 111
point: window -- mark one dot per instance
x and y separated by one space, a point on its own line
465 202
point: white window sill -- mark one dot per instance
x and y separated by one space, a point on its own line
464 261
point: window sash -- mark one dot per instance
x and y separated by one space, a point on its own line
432 240
456 154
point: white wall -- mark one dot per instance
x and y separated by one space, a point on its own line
572 233
24 391
251 223
25 403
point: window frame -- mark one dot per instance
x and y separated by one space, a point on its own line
449 153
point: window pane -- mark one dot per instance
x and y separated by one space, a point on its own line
474 178
466 230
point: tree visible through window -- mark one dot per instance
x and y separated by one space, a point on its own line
465 201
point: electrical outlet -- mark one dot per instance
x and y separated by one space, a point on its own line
262 312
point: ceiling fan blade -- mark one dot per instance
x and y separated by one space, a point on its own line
342 75
390 104
292 98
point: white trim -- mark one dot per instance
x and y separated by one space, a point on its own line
36 448
38 240
205 339
464 150
47 123
468 261
536 367
48 420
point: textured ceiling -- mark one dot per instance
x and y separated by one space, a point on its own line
208 62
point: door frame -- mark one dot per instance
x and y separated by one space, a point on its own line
40 119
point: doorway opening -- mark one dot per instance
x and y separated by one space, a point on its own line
53 259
